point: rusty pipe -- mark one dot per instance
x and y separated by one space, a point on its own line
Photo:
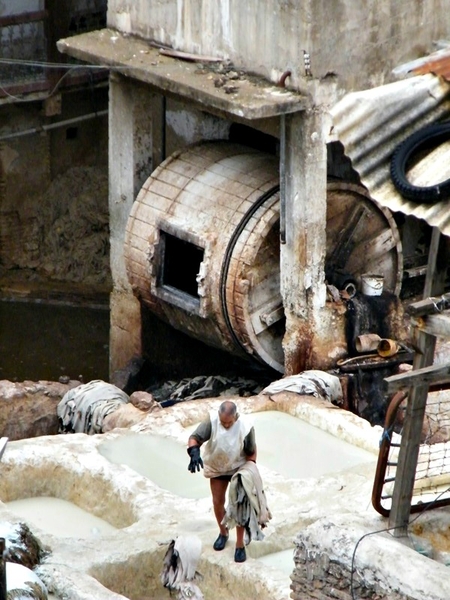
282 80
387 347
367 342
282 179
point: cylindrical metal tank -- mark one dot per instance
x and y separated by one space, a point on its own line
202 246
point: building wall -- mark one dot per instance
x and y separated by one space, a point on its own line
349 46
53 148
54 192
357 42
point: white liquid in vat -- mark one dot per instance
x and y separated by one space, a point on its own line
287 445
59 517
298 450
163 460
283 561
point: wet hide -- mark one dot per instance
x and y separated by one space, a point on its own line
247 503
83 408
309 383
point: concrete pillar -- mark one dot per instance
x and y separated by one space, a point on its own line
131 114
303 162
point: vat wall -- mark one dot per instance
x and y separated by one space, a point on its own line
316 575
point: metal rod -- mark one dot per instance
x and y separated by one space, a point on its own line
16 134
163 127
282 179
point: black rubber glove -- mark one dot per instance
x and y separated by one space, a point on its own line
196 460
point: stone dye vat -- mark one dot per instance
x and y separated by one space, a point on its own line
286 445
160 459
49 468
59 517
283 560
126 561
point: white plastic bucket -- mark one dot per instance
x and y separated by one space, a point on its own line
372 285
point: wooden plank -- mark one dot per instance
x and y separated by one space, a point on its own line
425 345
432 263
429 306
411 435
344 245
375 247
434 374
438 325
189 56
23 18
438 259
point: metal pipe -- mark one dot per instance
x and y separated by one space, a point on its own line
163 127
3 586
282 179
16 134
282 80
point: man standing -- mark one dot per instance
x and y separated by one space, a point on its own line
230 443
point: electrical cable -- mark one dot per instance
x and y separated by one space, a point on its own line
50 65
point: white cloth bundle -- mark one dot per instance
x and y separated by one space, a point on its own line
311 383
179 567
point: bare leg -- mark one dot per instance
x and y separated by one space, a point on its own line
239 536
218 492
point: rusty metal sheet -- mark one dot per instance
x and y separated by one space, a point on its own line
438 65
370 124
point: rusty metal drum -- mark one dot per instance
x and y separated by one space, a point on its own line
202 247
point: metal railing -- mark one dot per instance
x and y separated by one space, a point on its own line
432 476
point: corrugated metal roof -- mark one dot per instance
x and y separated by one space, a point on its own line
370 124
438 64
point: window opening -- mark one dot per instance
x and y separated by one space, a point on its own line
180 264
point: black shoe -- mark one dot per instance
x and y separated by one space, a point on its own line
240 555
219 544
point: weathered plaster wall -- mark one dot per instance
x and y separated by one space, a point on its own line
360 42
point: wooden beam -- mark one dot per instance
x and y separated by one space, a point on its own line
429 306
22 18
425 345
411 435
433 375
438 325
433 267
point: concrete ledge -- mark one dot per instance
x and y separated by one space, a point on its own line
254 98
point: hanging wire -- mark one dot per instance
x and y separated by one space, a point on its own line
52 65
426 507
